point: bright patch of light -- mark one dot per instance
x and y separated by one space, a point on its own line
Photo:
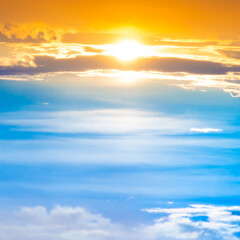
128 76
127 50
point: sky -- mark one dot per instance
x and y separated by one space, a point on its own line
119 120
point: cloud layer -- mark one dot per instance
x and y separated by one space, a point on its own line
196 222
45 64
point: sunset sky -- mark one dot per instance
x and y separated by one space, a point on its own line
119 120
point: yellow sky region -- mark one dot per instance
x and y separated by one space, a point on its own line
184 18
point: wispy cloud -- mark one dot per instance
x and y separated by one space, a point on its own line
107 121
138 136
206 130
27 33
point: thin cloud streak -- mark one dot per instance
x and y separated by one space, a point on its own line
107 121
206 130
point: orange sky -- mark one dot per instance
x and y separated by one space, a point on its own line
191 19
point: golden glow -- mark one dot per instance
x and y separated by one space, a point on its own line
127 50
128 77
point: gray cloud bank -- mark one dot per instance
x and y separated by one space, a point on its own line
46 64
230 53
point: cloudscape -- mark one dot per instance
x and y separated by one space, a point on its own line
119 120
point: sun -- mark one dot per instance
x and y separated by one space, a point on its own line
127 50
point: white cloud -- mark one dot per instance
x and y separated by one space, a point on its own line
68 223
197 222
60 223
206 130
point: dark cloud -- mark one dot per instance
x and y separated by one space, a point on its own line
29 39
183 65
230 54
10 26
46 64
14 33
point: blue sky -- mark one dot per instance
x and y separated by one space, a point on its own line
116 150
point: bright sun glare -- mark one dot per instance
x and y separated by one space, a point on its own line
127 50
